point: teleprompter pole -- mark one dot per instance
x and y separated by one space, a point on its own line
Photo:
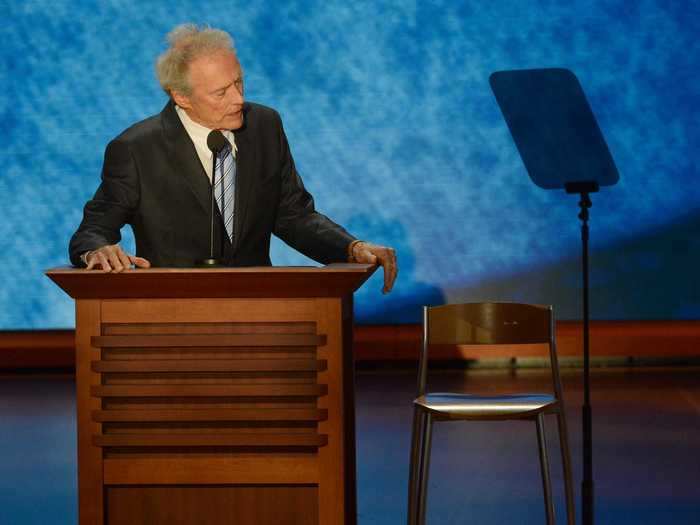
587 487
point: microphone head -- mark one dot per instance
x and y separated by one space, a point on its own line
216 141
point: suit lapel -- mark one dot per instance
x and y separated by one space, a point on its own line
185 157
245 176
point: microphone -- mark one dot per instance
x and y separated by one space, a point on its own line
216 142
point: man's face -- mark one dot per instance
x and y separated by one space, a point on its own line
216 99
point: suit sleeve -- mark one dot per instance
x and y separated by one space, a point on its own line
297 221
112 206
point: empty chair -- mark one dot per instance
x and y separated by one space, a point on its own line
486 324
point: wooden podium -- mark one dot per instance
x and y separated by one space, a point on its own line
214 397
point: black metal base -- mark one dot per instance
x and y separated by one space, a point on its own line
208 263
581 187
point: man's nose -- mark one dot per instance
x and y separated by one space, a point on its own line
236 95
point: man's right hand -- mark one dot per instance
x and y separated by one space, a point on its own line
112 259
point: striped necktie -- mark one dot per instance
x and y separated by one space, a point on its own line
225 185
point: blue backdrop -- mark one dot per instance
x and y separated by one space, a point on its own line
395 131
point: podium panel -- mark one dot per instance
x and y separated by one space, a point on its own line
215 505
196 409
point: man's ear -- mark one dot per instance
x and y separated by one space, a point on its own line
181 100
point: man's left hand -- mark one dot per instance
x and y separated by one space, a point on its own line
368 253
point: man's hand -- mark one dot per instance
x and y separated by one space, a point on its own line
112 258
367 253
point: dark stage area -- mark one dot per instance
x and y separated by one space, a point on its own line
646 449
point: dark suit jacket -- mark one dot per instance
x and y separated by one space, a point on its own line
153 180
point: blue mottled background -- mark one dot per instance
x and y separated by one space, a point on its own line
394 128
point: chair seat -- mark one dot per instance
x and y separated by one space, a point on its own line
466 406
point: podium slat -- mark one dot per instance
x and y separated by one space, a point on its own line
206 340
297 469
210 365
261 390
286 414
208 328
210 440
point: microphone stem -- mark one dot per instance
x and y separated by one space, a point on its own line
213 201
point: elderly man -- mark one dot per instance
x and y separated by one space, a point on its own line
157 177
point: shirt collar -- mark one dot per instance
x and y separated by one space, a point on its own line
199 133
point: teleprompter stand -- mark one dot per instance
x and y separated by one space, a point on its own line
562 147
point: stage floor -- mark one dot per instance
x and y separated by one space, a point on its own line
646 449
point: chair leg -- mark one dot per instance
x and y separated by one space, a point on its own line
415 463
544 467
566 463
424 466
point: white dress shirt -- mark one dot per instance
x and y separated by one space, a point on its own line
198 134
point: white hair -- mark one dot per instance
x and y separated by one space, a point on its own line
187 42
